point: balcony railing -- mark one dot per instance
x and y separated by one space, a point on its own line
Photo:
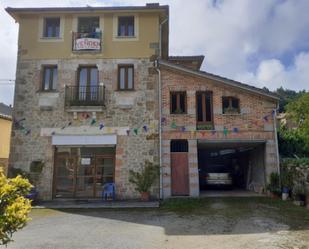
86 41
84 96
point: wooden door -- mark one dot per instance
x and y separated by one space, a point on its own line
180 173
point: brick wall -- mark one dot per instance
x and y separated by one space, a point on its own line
250 122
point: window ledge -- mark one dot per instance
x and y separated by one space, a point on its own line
177 114
232 114
126 37
47 91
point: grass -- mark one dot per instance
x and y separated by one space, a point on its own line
234 207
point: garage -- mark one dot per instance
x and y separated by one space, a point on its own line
231 165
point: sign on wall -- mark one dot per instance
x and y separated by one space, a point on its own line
85 161
87 44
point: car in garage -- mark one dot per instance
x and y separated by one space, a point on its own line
215 175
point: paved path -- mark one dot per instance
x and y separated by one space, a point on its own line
218 227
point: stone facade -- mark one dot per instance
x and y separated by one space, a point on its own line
4 164
250 122
46 111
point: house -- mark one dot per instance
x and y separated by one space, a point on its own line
86 98
5 135
97 95
208 121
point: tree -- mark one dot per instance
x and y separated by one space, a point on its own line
298 111
14 207
286 96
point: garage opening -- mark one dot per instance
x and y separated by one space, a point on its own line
237 166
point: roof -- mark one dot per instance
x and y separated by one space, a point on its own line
192 58
150 7
221 79
5 111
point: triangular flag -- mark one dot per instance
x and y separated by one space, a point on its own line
163 120
235 129
145 128
93 121
53 133
225 131
213 132
101 126
183 128
266 118
135 131
128 132
203 133
70 123
27 132
173 125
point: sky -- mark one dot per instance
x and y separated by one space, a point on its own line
261 43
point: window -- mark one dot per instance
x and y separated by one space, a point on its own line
179 146
178 102
230 105
204 111
125 77
88 83
52 27
50 77
126 26
88 24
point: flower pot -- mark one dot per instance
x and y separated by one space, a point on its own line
145 196
285 196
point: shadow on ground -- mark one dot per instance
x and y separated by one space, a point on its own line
211 216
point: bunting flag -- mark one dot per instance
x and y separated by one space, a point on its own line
173 125
225 131
183 128
70 123
266 118
203 133
27 132
101 126
109 130
273 112
235 129
93 121
53 133
62 128
145 128
128 132
163 120
135 131
213 132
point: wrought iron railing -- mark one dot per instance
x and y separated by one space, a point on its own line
87 41
84 95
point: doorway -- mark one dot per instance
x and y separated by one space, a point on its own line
179 167
82 172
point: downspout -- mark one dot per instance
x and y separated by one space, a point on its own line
156 64
276 140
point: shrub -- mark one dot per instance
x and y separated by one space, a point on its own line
14 207
274 183
143 180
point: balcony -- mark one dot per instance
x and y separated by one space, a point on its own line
82 98
86 41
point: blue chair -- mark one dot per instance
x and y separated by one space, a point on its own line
108 191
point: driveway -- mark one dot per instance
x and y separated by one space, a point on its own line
207 223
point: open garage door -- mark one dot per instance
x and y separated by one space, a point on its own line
237 165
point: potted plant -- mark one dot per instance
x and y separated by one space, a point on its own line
144 179
286 183
273 187
299 194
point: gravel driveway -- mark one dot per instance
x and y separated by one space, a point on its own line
215 223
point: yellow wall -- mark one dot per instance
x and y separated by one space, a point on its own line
5 136
32 46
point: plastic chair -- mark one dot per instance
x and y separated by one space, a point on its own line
108 191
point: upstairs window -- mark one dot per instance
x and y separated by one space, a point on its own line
52 27
50 77
230 105
88 24
126 26
125 77
178 102
204 110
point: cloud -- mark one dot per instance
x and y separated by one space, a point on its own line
264 43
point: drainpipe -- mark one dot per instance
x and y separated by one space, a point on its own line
156 64
276 140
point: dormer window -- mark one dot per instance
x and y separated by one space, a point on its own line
126 26
230 105
51 27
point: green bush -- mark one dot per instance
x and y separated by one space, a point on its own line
143 180
274 183
14 207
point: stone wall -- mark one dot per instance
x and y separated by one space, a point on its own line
43 110
4 164
250 122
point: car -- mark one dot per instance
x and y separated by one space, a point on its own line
215 175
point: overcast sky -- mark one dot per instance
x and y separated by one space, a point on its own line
262 43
